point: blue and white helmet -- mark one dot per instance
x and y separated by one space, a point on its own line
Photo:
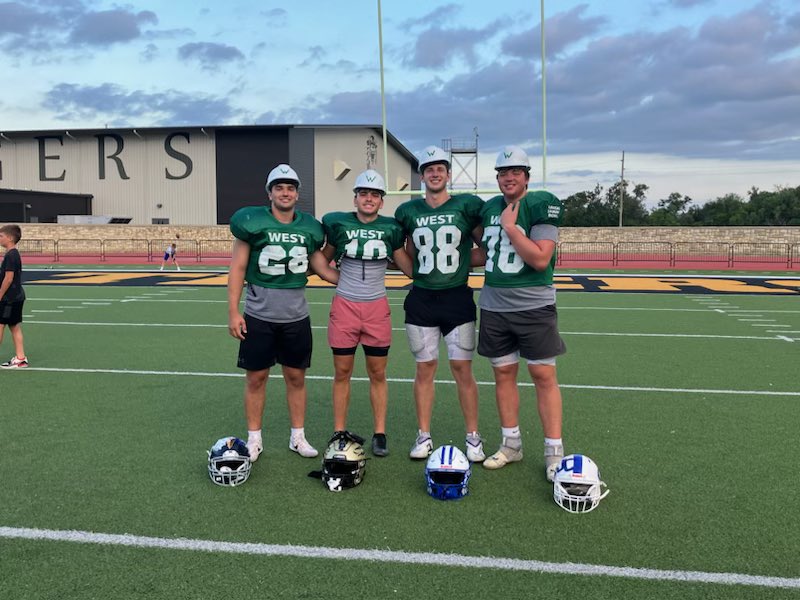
229 461
447 473
577 487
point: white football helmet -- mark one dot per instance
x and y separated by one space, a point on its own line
447 473
229 461
577 487
433 155
283 173
370 180
510 157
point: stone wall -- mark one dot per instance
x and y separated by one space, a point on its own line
785 235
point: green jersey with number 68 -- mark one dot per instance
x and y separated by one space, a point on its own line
442 238
376 240
278 251
504 267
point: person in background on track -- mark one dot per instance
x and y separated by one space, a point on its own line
12 295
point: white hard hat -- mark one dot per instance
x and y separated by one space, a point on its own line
370 180
512 156
432 155
283 173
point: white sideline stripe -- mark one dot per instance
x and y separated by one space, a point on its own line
596 333
47 311
407 380
560 307
96 303
427 559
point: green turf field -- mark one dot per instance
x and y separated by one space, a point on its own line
689 404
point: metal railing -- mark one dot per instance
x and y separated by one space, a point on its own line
672 254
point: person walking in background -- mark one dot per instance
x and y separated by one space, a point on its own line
518 305
439 230
362 242
274 246
170 254
12 295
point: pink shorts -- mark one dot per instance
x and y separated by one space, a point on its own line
353 323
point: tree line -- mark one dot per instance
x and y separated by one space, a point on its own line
600 208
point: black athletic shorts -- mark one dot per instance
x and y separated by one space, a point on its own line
445 309
267 343
534 333
11 313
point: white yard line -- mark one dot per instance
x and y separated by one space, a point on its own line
426 559
240 374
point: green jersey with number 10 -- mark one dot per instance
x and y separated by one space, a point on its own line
376 240
442 238
278 251
504 267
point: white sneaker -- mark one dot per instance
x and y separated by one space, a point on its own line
302 447
254 448
475 451
552 458
506 454
422 448
179 268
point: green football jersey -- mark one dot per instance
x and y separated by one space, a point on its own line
376 240
504 267
442 238
278 252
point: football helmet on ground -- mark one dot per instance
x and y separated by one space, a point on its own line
344 462
447 473
229 462
577 487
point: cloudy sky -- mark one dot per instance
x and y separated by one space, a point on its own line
702 95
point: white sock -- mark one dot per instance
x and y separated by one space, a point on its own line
511 432
425 435
553 442
298 433
254 436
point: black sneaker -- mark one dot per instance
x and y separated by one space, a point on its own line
379 445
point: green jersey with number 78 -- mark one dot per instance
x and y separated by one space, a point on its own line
504 267
442 237
279 252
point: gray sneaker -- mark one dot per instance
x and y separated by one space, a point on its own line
552 458
510 451
422 448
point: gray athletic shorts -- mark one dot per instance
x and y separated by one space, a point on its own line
532 333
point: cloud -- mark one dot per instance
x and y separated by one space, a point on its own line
445 12
315 55
436 47
709 93
112 103
561 31
209 54
22 19
107 27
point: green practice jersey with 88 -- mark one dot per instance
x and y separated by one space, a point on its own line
442 239
376 240
504 267
278 251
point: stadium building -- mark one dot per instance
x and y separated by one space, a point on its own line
186 175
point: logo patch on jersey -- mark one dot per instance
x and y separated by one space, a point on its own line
553 212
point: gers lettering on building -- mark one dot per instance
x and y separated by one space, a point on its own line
110 152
